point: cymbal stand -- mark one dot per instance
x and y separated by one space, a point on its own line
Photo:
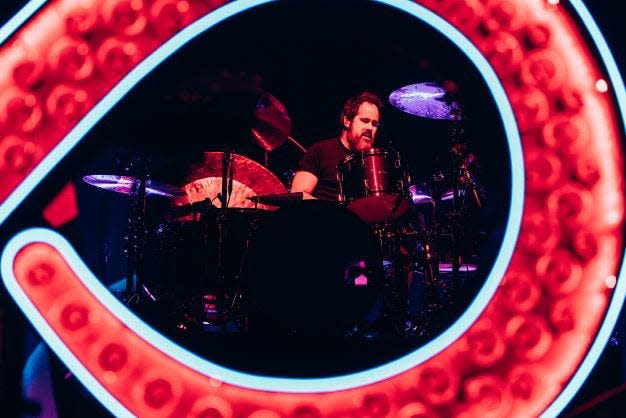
237 304
464 185
135 286
224 197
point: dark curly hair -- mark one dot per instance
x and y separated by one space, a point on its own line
351 106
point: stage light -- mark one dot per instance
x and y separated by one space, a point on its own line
610 282
602 86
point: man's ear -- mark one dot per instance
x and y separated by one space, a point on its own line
346 123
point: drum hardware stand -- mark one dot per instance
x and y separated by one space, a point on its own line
462 181
236 307
428 320
465 194
135 288
297 144
224 197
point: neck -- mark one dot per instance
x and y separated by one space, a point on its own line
344 140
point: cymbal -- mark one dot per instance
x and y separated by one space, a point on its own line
272 125
130 185
463 268
249 179
420 196
428 100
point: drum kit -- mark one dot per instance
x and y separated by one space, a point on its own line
237 248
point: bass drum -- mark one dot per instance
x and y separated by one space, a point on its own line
312 269
184 253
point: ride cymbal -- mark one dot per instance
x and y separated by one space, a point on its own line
130 185
428 100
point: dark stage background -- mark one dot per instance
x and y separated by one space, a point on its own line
311 60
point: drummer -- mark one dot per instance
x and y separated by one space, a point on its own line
316 176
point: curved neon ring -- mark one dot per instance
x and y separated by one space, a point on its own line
619 295
349 381
592 354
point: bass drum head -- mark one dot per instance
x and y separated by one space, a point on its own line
312 269
380 208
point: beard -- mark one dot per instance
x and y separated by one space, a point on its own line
362 142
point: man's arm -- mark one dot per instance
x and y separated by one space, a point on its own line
304 182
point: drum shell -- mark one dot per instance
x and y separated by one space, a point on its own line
301 269
184 254
371 184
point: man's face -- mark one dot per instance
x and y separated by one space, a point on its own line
362 128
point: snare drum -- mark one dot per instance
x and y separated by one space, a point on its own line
372 185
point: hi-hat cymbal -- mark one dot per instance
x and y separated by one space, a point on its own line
273 125
249 179
130 185
428 100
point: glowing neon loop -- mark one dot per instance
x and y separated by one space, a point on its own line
20 17
362 378
615 304
43 327
619 295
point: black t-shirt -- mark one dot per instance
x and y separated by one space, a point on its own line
321 160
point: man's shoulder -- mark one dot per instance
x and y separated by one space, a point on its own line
327 143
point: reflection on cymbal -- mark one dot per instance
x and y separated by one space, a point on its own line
428 100
463 267
130 185
273 125
249 178
419 196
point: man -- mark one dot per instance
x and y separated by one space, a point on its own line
316 176
317 179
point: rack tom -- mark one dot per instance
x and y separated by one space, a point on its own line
372 185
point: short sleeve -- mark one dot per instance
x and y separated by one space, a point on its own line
311 161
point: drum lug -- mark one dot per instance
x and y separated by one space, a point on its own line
340 195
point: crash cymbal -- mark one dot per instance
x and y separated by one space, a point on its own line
463 268
272 123
249 179
419 195
130 185
428 100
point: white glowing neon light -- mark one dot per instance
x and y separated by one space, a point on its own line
365 377
298 385
368 376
